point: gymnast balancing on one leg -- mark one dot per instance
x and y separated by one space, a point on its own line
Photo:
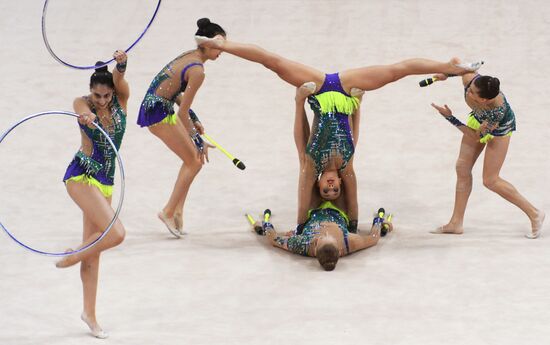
90 176
178 83
333 96
490 126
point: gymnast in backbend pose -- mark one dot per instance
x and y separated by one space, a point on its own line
490 126
326 232
334 101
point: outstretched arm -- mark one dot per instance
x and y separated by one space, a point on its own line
467 78
363 241
446 112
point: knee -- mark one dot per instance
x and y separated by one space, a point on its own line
490 182
397 71
195 165
119 235
272 62
463 170
89 264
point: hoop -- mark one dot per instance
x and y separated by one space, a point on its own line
58 59
122 178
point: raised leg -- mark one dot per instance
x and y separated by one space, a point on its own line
290 71
375 77
97 210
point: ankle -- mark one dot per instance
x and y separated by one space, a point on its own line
456 223
167 213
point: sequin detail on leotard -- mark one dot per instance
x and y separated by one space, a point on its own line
503 116
331 136
155 108
101 164
299 244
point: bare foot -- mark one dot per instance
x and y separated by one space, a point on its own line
214 42
449 229
170 224
178 220
94 327
355 92
465 67
536 225
66 261
305 90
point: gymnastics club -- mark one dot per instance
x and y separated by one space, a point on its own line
385 226
266 224
431 80
235 161
258 228
267 215
427 81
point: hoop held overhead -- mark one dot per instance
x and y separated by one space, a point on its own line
58 59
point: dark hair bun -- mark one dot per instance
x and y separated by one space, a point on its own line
494 82
203 23
489 87
208 29
101 69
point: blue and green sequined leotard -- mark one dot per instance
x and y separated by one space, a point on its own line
331 136
325 213
101 164
155 108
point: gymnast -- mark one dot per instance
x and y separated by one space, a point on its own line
178 83
89 178
490 126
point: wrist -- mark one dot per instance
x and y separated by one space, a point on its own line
193 116
352 226
197 140
454 121
121 66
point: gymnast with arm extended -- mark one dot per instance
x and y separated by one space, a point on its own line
490 125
